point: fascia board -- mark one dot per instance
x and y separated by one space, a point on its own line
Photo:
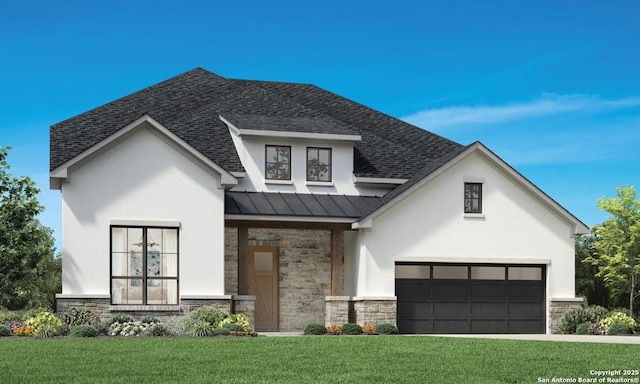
306 219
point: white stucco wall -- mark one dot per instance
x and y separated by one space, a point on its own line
430 223
142 178
251 151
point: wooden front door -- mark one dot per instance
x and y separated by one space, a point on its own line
263 284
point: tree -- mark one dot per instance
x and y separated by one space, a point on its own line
28 265
588 284
617 245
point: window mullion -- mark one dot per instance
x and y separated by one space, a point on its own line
144 266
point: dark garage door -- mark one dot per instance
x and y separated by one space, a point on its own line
448 298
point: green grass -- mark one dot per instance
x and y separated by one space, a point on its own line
323 359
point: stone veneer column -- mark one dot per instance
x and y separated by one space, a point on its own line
374 310
557 308
246 305
336 310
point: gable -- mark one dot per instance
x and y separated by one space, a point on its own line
475 154
61 174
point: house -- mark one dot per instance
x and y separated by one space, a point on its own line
294 205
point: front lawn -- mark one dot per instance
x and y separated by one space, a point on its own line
308 359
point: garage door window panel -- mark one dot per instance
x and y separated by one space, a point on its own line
525 273
450 272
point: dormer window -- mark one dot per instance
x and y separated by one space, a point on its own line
278 162
318 164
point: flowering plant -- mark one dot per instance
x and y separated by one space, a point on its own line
44 324
239 319
20 329
334 329
132 328
369 329
616 317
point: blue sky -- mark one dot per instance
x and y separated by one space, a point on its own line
552 87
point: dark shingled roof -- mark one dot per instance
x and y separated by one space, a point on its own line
190 105
296 204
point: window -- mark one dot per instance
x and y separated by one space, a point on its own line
278 162
144 265
472 197
318 164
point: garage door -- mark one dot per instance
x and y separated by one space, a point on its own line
446 298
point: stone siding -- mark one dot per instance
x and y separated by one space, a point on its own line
337 310
231 261
557 308
304 273
374 311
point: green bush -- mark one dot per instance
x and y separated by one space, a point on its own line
351 329
234 327
83 331
4 330
120 318
387 329
617 318
619 329
149 320
202 329
79 316
221 332
179 325
159 329
582 329
576 316
210 314
7 317
315 329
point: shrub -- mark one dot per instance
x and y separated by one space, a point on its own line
210 314
221 332
120 318
234 327
45 324
239 319
369 329
617 318
132 328
582 329
159 329
387 329
4 330
7 317
79 316
619 329
149 320
576 316
315 329
179 325
202 329
595 329
352 329
83 330
334 329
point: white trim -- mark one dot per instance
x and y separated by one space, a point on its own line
298 219
374 298
61 173
319 183
146 223
377 180
81 296
473 216
259 133
278 182
206 297
567 299
473 179
238 174
468 260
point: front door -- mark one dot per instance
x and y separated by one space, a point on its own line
263 284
